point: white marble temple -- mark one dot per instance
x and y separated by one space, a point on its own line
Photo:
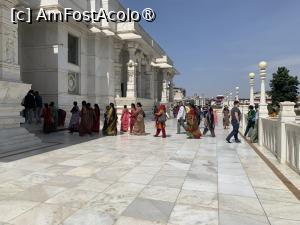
176 181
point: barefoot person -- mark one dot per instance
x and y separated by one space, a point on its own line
226 117
192 126
75 118
235 121
160 123
125 119
132 117
139 125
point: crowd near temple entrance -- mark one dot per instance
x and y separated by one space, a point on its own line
94 131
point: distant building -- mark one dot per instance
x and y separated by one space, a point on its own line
179 94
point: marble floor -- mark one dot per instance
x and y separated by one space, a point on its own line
129 180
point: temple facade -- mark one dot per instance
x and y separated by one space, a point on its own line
74 61
101 62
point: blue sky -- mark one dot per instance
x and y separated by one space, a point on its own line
215 44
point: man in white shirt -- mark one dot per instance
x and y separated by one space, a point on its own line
180 117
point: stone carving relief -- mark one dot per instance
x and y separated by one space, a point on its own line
10 47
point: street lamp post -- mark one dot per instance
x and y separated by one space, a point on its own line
263 107
251 81
237 89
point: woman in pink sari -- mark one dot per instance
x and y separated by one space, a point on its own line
132 117
125 119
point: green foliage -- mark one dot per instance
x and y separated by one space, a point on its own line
284 87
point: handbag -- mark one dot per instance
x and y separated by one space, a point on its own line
163 118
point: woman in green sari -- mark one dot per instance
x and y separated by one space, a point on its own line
112 119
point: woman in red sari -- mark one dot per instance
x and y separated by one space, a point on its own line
96 123
132 117
48 119
125 119
161 118
192 127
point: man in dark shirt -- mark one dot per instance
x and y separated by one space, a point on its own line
30 105
235 121
39 106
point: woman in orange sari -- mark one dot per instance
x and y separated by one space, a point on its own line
125 119
161 118
132 117
192 127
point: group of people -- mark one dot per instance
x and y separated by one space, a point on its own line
189 117
86 120
33 104
235 115
34 110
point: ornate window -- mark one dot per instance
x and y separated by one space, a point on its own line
73 49
73 83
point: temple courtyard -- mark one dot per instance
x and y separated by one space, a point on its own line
130 180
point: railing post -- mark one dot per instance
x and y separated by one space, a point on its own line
244 113
287 115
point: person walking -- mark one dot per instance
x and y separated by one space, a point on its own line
48 119
139 125
125 118
75 118
96 122
29 103
226 117
180 117
251 120
192 126
54 112
235 121
210 122
160 123
39 107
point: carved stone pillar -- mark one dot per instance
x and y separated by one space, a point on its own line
263 107
164 94
251 82
118 69
132 73
12 90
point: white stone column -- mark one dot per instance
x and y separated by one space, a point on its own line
132 73
287 115
118 69
251 82
263 107
244 109
171 94
164 94
12 90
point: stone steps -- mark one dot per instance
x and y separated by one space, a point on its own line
17 140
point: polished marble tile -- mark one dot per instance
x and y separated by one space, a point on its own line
205 199
283 210
160 193
44 214
133 221
9 209
72 198
89 217
276 194
278 221
232 218
193 215
147 209
240 204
